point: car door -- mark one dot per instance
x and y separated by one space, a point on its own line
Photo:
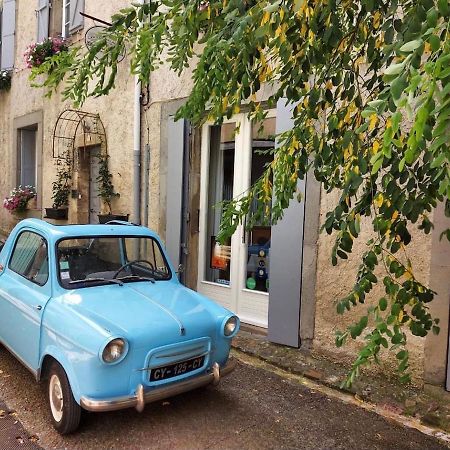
24 291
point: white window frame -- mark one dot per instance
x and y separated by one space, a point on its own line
65 19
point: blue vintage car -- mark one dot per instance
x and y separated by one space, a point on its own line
98 312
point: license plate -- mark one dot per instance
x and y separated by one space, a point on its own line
174 370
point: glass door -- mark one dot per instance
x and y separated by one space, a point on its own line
254 252
236 274
219 173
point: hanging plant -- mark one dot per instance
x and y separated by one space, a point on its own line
5 80
38 52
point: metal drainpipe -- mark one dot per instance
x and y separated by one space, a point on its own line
146 183
136 217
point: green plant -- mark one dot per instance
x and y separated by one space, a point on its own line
105 185
369 85
51 72
61 186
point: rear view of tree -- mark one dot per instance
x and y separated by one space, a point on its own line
369 84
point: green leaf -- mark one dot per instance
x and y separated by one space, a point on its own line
444 8
394 69
273 7
382 304
435 42
411 46
398 86
377 164
432 17
363 322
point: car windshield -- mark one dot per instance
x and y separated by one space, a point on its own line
93 261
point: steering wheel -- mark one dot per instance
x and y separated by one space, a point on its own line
129 264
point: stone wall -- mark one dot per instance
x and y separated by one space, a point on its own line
334 283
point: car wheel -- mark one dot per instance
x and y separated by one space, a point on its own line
65 411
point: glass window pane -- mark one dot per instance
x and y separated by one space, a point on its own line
220 188
258 238
102 257
30 258
27 157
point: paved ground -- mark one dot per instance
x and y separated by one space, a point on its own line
12 434
252 409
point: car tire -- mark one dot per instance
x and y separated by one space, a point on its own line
64 410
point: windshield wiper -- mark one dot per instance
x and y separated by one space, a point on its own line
93 280
136 277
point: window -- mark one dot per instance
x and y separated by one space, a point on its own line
93 261
58 18
27 167
30 258
72 20
66 18
28 141
221 182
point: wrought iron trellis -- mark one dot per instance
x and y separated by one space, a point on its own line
77 130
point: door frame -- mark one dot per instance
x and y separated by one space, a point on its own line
225 294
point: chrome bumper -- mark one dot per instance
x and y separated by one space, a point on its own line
139 400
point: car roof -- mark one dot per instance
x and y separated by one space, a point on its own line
57 232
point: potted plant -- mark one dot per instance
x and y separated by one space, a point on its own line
17 202
107 192
60 192
37 52
5 80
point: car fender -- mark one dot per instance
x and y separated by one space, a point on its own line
56 353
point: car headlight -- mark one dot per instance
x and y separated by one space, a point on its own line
114 351
230 326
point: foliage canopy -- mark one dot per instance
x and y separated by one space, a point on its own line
370 83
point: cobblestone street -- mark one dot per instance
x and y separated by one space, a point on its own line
252 409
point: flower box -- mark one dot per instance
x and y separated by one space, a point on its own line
18 199
36 53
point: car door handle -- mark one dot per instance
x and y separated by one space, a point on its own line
38 307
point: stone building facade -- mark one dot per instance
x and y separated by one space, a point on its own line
279 279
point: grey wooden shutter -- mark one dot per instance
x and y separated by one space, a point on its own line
43 16
76 19
175 144
8 34
286 259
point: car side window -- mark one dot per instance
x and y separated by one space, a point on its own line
30 258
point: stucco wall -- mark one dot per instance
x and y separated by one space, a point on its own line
116 112
334 283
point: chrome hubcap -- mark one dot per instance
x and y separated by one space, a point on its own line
56 398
